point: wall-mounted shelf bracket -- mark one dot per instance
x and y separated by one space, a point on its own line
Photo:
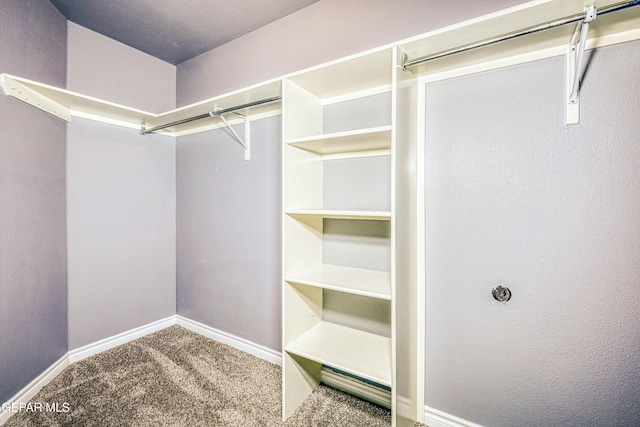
246 143
575 57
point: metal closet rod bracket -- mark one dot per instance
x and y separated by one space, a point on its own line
246 144
575 55
576 51
233 132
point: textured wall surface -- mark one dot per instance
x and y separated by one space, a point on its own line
324 31
121 195
121 221
228 232
33 258
516 196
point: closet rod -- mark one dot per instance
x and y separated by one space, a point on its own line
549 25
146 131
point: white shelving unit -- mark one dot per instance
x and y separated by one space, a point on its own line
311 341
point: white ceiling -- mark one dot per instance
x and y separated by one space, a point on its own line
176 30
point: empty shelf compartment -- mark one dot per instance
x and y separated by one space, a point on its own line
356 352
359 281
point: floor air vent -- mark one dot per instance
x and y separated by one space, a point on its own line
359 387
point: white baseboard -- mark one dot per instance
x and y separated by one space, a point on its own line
27 393
231 340
436 418
122 338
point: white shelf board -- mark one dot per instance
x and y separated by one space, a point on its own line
491 25
378 138
340 214
361 72
552 41
356 352
66 104
358 281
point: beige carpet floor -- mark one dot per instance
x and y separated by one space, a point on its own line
175 377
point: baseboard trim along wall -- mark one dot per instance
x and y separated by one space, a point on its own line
436 418
122 338
27 393
231 340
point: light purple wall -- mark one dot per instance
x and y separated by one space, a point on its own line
516 196
326 30
229 232
33 257
121 216
121 195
